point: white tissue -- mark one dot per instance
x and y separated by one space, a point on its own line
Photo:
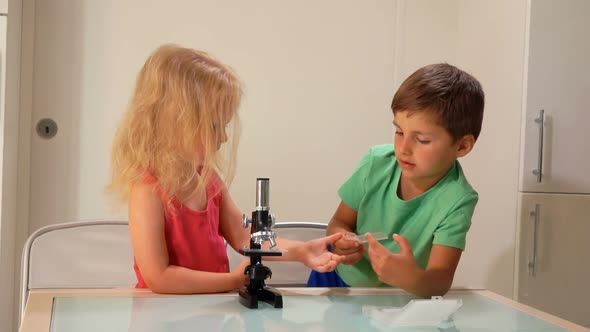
435 312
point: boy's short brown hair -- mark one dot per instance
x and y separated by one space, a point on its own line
452 94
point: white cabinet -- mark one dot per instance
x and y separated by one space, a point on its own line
553 253
554 262
558 84
3 6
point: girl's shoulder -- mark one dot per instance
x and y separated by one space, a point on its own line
148 178
144 194
148 183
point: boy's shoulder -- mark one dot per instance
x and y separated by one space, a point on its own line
455 183
382 151
379 157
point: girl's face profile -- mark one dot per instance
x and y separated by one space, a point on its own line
220 132
217 136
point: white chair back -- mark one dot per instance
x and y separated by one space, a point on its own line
85 254
286 274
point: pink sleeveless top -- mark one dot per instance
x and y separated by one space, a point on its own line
193 238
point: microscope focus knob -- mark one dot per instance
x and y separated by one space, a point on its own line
246 221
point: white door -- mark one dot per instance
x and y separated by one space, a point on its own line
307 65
556 152
554 256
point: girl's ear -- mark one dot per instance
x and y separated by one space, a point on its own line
465 145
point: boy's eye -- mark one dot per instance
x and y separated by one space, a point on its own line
422 141
398 133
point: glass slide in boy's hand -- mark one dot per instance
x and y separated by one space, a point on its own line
362 238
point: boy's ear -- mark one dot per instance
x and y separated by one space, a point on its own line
464 145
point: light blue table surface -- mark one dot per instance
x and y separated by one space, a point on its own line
300 313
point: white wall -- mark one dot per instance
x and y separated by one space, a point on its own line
319 81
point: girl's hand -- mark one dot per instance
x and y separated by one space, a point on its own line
352 250
315 255
393 269
240 276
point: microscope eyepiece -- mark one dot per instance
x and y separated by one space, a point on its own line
262 194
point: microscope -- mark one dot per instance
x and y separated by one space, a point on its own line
261 222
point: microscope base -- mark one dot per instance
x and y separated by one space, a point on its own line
250 297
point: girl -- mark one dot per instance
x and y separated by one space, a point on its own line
167 165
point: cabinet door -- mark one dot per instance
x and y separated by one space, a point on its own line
554 254
558 84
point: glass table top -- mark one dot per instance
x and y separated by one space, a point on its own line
300 313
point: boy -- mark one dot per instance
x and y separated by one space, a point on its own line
414 190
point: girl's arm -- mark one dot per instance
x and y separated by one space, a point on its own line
312 253
146 225
230 222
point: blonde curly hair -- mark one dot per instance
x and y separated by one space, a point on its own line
183 103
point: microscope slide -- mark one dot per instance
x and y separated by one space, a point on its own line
361 238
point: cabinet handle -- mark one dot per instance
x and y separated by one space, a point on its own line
533 260
539 170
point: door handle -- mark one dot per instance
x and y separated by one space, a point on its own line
533 260
539 170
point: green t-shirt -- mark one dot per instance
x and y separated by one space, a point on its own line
441 215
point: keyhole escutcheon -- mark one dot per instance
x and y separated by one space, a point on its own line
46 128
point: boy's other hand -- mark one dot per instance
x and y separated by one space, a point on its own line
352 250
393 269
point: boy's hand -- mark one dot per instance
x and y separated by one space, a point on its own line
393 269
315 255
352 250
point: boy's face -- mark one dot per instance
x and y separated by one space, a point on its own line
424 149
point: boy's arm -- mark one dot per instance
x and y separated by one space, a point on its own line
344 222
401 269
146 226
440 271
